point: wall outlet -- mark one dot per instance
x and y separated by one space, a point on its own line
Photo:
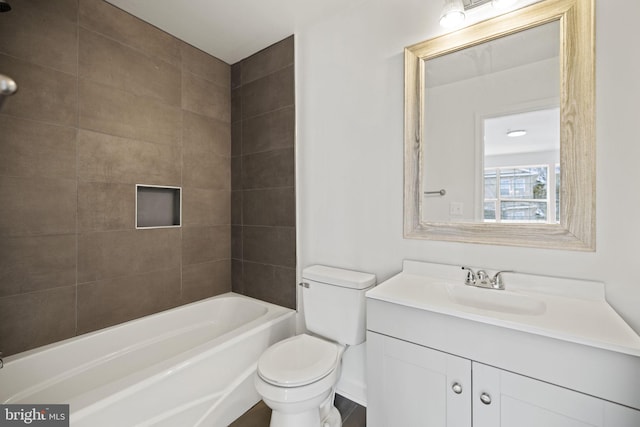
456 208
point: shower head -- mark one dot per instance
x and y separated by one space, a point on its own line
4 6
7 86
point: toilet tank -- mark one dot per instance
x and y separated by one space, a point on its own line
334 302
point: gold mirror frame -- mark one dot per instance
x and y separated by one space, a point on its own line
576 230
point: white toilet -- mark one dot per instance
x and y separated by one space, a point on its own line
296 377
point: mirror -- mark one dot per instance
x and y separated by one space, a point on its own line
504 138
499 131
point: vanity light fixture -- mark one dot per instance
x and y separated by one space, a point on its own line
454 11
452 14
516 133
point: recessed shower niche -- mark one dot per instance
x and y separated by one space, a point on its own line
158 206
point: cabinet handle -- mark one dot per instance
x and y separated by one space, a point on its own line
485 398
457 388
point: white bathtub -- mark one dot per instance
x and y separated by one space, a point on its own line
189 366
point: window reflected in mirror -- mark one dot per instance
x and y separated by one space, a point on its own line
521 167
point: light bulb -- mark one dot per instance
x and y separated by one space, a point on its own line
452 14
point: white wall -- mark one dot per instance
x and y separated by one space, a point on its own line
350 151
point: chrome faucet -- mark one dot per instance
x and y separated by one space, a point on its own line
482 280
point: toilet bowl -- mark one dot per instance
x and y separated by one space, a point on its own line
297 377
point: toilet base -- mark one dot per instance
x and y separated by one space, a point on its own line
324 415
334 419
307 419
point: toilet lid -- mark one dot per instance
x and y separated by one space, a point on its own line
298 361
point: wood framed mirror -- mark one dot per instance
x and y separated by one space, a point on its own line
535 201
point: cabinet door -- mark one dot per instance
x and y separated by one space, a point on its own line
413 386
504 399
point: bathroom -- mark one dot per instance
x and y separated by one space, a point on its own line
343 198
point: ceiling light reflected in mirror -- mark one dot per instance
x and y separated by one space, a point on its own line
516 133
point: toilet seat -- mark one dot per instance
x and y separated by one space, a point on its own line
298 361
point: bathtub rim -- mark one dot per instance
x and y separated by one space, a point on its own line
47 347
36 358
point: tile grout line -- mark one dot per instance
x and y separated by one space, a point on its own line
275 71
77 180
241 185
36 64
181 176
266 113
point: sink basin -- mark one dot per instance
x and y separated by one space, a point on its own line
495 300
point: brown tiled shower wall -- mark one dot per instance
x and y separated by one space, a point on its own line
106 101
263 175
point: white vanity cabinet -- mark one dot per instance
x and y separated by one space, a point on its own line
545 352
505 399
411 385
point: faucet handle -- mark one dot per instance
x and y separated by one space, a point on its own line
497 281
471 276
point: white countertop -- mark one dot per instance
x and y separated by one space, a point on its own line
566 309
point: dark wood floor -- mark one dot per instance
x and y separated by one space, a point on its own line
353 415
